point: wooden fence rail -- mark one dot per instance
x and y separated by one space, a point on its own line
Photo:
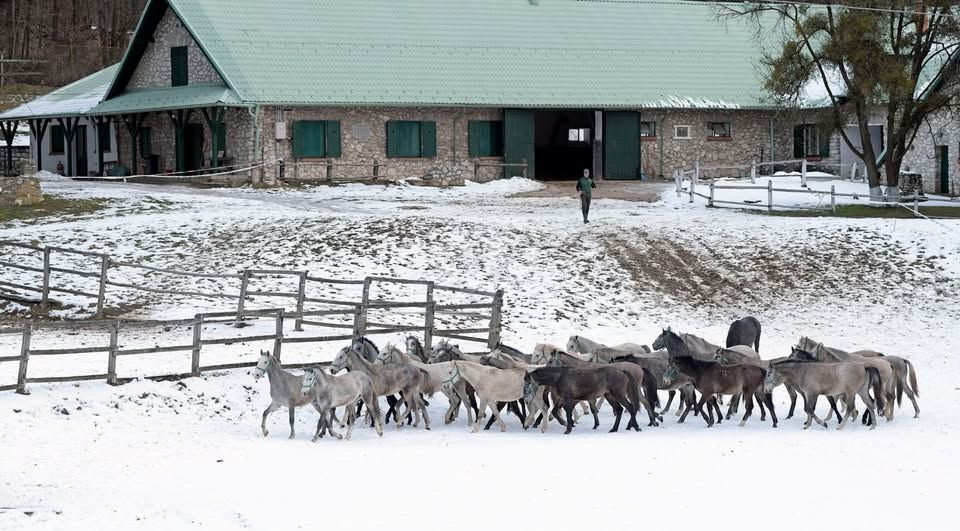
310 317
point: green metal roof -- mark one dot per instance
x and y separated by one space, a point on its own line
72 100
501 53
167 98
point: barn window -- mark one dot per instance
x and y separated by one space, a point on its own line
648 129
179 75
410 139
809 140
486 138
56 140
718 129
315 139
681 132
578 135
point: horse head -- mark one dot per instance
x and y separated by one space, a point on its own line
660 342
263 364
340 362
670 374
309 379
572 343
772 379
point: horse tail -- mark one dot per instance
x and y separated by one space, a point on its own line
732 334
899 384
649 384
913 377
427 383
875 382
633 391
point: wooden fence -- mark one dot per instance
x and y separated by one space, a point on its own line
351 318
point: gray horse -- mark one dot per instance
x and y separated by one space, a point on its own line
415 349
456 394
331 392
365 348
844 379
389 379
885 400
285 389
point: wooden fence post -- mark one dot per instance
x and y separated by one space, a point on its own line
45 297
696 171
678 182
494 338
278 342
359 327
301 293
428 320
24 358
770 195
244 280
753 171
195 355
476 170
525 167
102 294
692 186
803 173
833 198
112 353
710 202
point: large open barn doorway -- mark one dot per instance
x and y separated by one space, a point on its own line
563 144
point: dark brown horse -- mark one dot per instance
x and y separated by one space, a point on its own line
711 378
574 385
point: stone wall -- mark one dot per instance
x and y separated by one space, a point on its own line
153 69
240 139
364 143
20 191
942 129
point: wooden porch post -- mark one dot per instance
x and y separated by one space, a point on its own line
69 132
9 130
38 127
102 126
180 117
133 123
213 116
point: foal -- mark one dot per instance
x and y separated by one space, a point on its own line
620 389
285 389
713 378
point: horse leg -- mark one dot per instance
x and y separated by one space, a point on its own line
716 407
748 408
793 399
848 404
351 418
768 398
392 409
703 400
270 409
809 407
493 418
913 399
833 407
870 405
318 434
593 409
422 405
518 409
291 410
734 406
758 396
481 409
670 394
568 409
500 422
617 411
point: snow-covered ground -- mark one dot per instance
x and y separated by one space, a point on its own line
171 455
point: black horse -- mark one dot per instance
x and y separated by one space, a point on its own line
571 386
744 331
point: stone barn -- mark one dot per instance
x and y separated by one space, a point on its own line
438 90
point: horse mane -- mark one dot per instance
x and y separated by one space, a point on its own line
698 344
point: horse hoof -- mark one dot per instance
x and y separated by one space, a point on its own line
265 432
290 437
314 439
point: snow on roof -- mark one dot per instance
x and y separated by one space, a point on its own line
71 100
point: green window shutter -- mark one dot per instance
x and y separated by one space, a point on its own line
474 130
179 75
56 139
309 139
222 137
798 142
333 138
146 142
824 142
393 139
428 139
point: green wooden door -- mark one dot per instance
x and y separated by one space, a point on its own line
193 141
621 141
944 169
518 141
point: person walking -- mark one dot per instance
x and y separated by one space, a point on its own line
585 186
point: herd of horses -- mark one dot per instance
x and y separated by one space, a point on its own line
564 384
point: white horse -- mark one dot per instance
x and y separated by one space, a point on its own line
332 392
491 384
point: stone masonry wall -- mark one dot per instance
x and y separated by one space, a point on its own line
154 67
750 140
363 143
239 148
20 191
943 129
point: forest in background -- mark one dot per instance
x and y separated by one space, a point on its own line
46 44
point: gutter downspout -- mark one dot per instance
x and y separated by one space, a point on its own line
254 112
660 144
